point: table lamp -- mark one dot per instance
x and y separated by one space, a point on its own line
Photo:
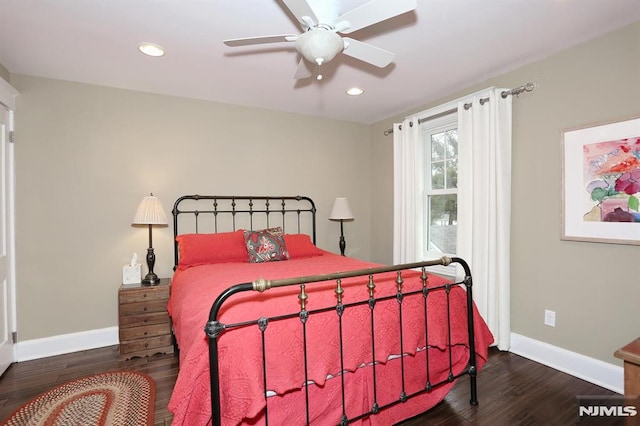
341 212
150 212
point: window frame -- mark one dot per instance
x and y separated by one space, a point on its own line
428 127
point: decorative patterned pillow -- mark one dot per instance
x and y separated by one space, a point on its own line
266 245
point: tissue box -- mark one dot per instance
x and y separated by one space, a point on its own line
132 274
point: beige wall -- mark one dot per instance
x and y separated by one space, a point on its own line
594 288
86 155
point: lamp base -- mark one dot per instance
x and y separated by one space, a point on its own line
150 279
343 245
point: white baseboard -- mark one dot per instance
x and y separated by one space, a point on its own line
66 343
592 370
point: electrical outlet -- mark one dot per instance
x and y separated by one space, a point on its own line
549 318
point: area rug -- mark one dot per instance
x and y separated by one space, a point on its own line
115 398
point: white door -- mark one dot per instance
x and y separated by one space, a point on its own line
6 243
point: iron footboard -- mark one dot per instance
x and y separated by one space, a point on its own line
214 328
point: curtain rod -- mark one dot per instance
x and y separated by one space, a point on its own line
515 91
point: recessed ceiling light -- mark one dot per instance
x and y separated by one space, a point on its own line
151 49
355 91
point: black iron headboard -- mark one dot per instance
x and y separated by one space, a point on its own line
220 213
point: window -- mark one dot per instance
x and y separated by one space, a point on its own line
444 160
440 199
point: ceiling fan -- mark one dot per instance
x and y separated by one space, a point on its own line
321 22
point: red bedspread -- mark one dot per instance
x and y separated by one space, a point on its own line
193 291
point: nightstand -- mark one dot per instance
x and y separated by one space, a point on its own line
630 354
145 327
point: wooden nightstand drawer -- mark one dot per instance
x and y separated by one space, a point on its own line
139 320
143 307
144 294
132 346
143 332
144 324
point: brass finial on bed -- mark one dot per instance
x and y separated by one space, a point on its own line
303 298
371 286
399 281
261 285
339 291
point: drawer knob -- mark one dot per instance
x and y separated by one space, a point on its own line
146 345
144 295
146 332
145 309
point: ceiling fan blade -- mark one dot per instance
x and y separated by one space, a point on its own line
303 70
302 11
260 40
367 53
373 12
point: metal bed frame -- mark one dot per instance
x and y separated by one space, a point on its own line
268 211
214 328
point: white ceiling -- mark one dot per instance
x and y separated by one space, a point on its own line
441 47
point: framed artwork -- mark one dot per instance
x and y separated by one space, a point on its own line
601 183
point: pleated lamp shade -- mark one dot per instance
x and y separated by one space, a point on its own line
341 210
150 212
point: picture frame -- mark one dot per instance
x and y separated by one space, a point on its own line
601 183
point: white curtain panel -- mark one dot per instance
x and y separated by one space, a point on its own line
406 192
484 205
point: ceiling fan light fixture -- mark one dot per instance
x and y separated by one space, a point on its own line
355 91
322 21
151 49
319 45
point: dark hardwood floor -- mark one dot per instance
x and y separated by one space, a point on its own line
24 380
511 390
